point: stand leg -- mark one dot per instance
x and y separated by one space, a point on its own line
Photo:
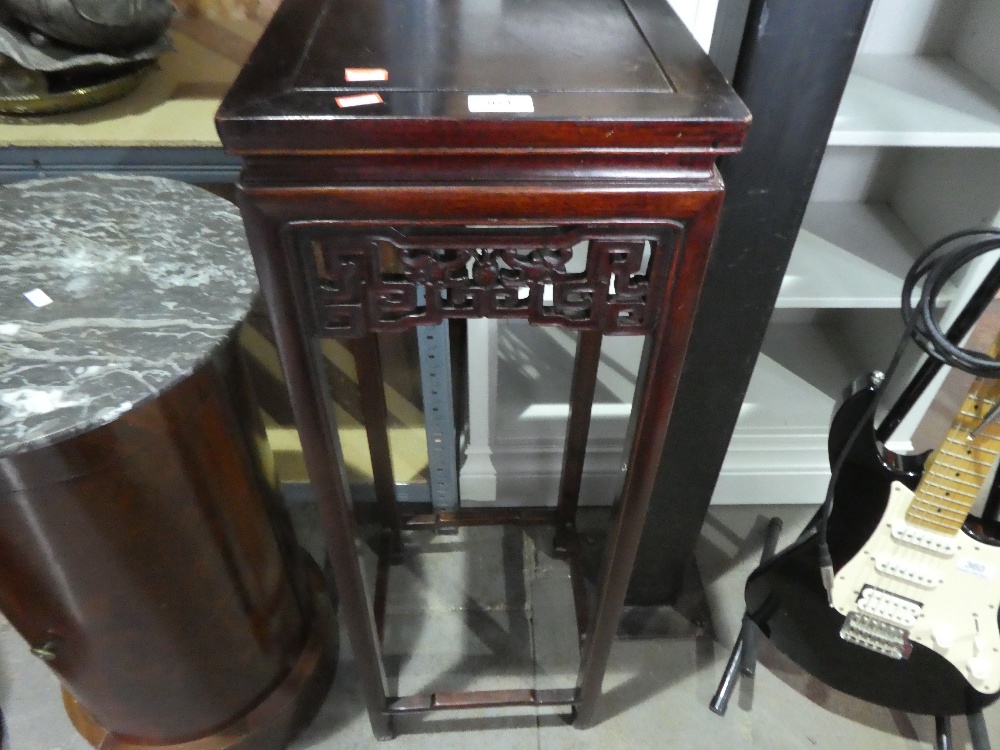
588 357
771 539
748 633
368 362
942 732
744 654
653 403
977 732
720 701
748 636
311 402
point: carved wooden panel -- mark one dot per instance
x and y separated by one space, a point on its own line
585 278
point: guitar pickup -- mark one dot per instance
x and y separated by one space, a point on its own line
889 607
876 635
907 571
939 544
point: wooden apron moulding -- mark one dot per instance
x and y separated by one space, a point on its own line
393 280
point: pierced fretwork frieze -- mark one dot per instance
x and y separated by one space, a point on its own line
387 280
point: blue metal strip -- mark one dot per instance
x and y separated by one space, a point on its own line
439 414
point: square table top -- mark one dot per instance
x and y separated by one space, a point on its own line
522 74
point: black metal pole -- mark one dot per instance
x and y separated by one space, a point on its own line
793 65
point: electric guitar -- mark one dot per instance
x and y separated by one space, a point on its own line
911 622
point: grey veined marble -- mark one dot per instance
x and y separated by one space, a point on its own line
146 276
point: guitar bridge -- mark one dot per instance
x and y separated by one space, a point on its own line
876 635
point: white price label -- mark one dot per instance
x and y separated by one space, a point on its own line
38 298
501 103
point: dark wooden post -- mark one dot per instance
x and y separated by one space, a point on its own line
791 72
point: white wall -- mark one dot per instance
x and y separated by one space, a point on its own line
699 16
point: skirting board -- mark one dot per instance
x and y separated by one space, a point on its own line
753 476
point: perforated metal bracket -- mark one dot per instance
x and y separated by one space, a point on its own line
439 414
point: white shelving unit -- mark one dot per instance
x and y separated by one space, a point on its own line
914 154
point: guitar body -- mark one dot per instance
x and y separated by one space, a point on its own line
785 597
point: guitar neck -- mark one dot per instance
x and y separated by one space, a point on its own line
955 473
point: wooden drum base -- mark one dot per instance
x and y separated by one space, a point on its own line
271 724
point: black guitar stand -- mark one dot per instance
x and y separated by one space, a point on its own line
743 661
977 732
981 299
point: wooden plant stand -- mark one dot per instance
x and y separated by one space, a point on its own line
502 137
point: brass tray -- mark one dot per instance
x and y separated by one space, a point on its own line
79 97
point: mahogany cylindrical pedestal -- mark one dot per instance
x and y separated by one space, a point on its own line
144 555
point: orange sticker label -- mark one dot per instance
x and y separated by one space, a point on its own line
358 100
365 74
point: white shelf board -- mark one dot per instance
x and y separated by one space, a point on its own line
903 100
849 255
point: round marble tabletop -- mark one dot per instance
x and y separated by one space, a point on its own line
112 289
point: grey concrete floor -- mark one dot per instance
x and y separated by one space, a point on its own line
491 608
